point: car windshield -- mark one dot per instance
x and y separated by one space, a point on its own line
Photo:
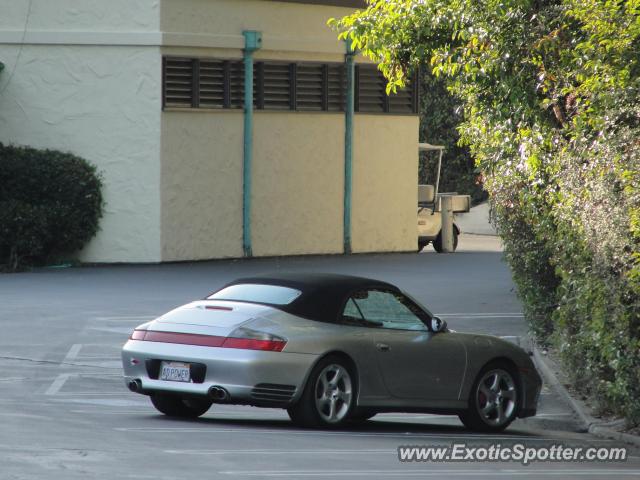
257 293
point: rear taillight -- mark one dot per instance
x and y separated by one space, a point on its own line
249 339
242 337
138 335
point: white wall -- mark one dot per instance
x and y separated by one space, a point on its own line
69 88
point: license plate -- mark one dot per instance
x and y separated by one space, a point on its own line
175 372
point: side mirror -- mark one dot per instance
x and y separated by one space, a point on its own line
438 325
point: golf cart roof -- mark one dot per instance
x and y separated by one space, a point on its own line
427 147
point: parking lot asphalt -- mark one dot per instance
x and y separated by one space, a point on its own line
65 412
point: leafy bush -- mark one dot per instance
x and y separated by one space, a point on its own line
50 205
551 98
440 115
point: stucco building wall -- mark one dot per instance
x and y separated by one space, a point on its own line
201 185
385 186
85 76
70 85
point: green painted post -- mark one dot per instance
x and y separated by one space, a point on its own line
348 145
252 42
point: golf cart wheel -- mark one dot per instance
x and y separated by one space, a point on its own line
175 406
422 244
437 243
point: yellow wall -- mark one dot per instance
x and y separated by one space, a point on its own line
385 183
298 185
219 23
298 160
201 185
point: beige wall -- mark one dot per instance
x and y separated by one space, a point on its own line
286 27
298 186
201 185
385 183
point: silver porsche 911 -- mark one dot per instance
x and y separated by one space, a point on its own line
331 349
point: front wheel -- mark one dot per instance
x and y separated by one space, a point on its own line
494 399
328 397
174 406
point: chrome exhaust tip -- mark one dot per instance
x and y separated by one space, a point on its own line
135 385
218 394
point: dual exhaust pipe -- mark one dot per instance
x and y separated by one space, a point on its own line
135 385
216 393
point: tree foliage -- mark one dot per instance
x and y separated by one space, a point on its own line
440 115
550 92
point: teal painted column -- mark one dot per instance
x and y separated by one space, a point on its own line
348 145
252 42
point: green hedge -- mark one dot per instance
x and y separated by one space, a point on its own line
551 98
50 205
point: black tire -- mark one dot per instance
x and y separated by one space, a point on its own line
437 243
362 415
174 406
422 244
307 411
474 418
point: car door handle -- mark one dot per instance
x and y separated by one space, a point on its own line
383 347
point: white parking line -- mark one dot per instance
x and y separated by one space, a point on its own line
392 451
525 472
58 383
72 353
217 431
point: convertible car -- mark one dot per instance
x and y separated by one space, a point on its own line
330 349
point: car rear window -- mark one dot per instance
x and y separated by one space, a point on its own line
257 293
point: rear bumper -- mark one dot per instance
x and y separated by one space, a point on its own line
238 371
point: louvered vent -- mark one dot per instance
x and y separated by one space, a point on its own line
405 100
310 80
273 393
371 89
236 85
178 82
277 86
336 85
212 84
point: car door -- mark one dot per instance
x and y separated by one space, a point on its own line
415 362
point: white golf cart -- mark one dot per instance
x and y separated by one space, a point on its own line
429 207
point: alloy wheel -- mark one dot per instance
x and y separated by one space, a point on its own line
333 393
496 397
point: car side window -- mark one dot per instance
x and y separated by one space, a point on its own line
351 314
387 309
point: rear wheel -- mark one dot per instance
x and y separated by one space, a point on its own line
328 396
175 406
494 399
422 244
437 243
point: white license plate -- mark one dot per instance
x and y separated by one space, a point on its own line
175 372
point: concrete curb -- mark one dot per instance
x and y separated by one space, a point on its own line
591 425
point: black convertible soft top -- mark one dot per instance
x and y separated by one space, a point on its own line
323 294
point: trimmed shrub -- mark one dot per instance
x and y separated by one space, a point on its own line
50 205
